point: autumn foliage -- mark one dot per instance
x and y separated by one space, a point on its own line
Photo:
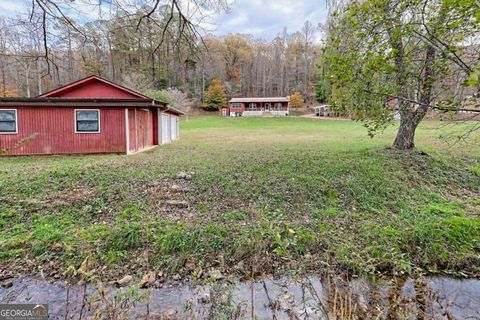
8 91
296 100
216 97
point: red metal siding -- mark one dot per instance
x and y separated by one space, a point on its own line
259 107
95 89
54 130
241 109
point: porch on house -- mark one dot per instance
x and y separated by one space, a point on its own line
259 106
265 109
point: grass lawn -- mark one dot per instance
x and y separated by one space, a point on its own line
268 195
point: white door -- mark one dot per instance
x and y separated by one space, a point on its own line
173 126
165 128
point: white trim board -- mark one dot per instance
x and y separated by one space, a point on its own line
127 131
16 121
87 132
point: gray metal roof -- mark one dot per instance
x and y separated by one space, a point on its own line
263 99
86 102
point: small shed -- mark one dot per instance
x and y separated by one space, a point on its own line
92 115
224 112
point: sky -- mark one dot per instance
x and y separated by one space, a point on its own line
267 18
263 19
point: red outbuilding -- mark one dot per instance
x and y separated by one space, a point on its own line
92 115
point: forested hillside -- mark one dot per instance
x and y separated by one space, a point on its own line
151 53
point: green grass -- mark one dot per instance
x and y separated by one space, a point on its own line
277 194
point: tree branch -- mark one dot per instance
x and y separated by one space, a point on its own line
420 103
148 15
457 59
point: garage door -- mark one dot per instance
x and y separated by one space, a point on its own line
178 127
173 126
165 128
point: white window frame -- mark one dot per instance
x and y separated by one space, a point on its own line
87 132
252 104
278 106
16 121
236 105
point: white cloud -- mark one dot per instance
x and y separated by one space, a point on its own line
10 8
267 18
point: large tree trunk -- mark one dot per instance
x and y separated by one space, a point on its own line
410 118
405 139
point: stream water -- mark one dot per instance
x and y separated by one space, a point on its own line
285 298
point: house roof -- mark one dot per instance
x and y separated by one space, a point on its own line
89 79
322 106
262 99
87 102
54 98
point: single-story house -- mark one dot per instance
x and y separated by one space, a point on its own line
92 115
273 106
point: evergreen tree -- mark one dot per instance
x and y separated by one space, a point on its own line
215 97
320 90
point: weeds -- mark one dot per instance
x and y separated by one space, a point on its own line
323 194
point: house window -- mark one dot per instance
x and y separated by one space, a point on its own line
8 121
252 106
236 105
278 106
87 121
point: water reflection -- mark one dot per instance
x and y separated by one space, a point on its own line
285 298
